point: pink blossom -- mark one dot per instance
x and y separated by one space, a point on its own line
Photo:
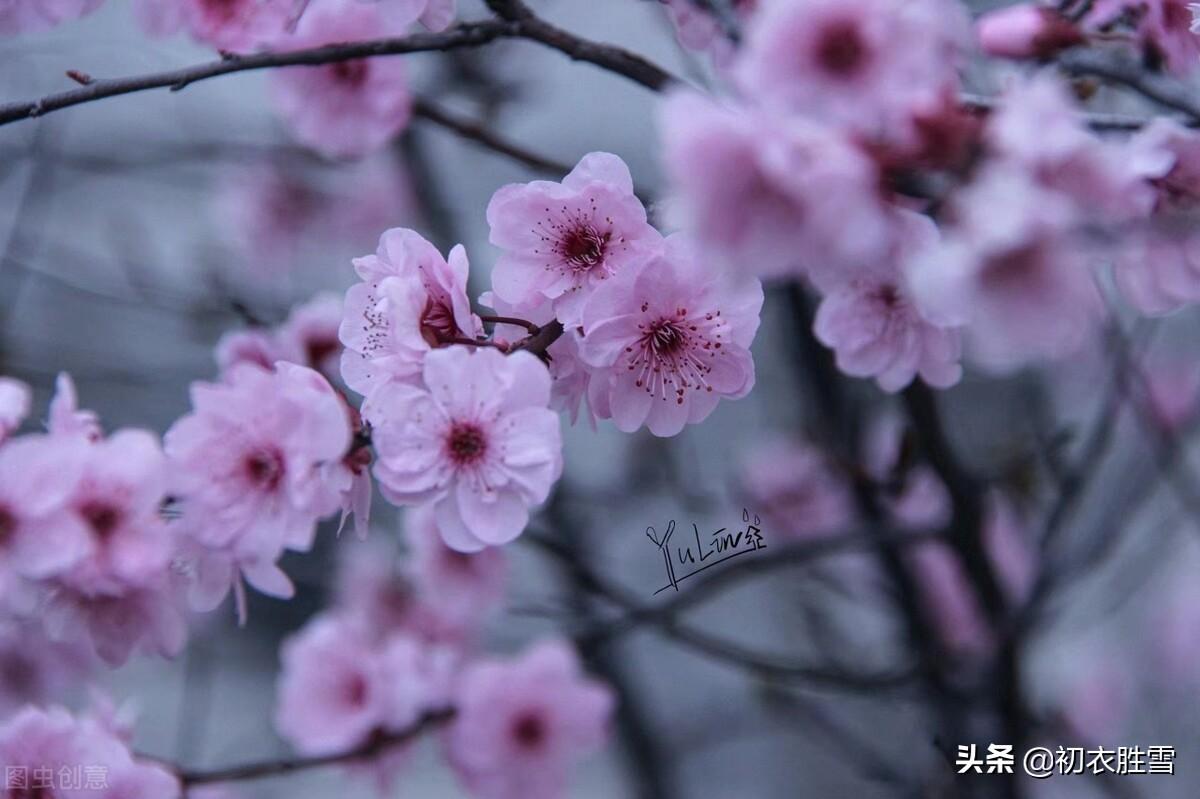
1009 272
949 600
876 330
462 587
1172 388
697 29
36 741
670 340
255 464
255 346
864 63
232 25
15 399
770 195
523 724
332 690
148 617
438 14
1165 29
797 490
1006 541
1097 700
264 211
562 240
311 332
1037 128
65 417
570 376
477 440
348 108
916 499
411 300
1157 266
40 535
1026 30
26 16
118 497
35 669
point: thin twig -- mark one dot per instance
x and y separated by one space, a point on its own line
476 132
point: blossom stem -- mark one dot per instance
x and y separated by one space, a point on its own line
274 768
512 320
539 342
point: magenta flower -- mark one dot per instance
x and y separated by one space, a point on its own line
254 465
118 498
147 617
232 25
348 108
15 399
463 588
768 195
44 741
25 16
669 341
310 334
40 535
477 441
523 724
1026 30
876 330
332 690
863 63
1010 272
562 240
797 490
411 300
254 346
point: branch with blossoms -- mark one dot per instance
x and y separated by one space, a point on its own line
919 231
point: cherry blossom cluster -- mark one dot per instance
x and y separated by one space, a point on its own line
398 646
843 156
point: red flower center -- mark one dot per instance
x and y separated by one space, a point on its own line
102 517
842 51
350 73
583 246
319 348
264 469
529 730
466 443
8 524
437 323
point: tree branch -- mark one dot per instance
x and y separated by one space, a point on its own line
274 768
474 131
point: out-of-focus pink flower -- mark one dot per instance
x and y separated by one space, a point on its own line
1157 266
254 346
1176 632
254 465
462 587
15 399
373 593
35 669
65 417
332 692
570 376
523 724
232 25
669 341
1097 701
916 499
769 195
797 490
949 600
562 240
147 617
54 742
1037 128
311 331
1026 30
264 212
118 498
344 109
697 29
27 16
478 441
438 14
40 535
1165 29
1009 273
411 300
1006 541
1172 385
875 329
861 63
